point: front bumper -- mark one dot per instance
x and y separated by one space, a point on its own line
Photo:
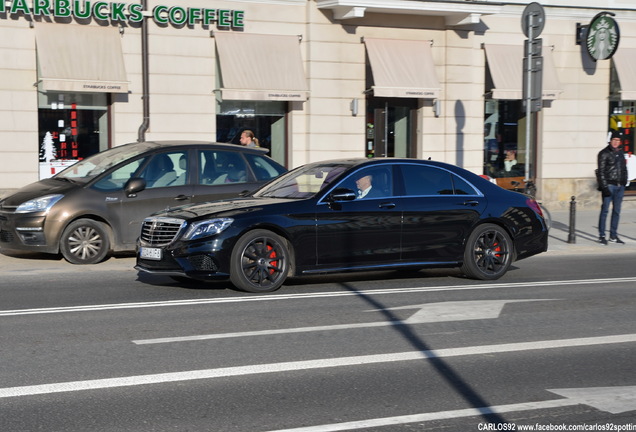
24 232
198 264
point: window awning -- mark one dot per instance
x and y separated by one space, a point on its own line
80 58
625 63
402 68
261 67
454 13
506 69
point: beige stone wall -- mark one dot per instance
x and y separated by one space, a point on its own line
335 68
18 105
183 79
463 62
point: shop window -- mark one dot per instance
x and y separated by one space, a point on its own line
71 127
266 119
504 146
622 117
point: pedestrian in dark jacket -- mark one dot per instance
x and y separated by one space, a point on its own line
612 178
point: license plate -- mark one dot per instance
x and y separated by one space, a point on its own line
150 253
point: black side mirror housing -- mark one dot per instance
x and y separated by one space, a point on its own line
342 194
134 185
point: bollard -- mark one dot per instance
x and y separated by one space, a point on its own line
572 233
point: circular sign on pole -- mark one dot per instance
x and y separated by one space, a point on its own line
533 16
602 36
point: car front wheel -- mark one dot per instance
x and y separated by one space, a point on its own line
85 241
260 262
488 253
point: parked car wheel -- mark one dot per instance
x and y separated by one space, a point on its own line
488 253
85 241
260 262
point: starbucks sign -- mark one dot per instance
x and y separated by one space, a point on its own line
602 36
122 12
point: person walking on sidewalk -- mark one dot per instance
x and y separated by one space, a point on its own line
612 178
248 139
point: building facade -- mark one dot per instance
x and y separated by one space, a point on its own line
323 79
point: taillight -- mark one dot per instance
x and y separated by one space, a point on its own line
534 206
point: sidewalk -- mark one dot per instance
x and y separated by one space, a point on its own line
586 242
586 232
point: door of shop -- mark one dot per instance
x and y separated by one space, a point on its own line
391 125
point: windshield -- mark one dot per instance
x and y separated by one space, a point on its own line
96 164
303 182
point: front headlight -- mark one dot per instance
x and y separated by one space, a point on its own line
207 228
41 204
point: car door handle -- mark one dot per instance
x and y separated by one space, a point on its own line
387 205
181 197
472 203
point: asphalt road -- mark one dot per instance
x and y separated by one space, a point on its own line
102 348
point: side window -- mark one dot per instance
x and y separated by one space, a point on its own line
371 182
426 180
220 167
166 169
263 167
462 187
118 178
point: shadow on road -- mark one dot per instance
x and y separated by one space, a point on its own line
452 378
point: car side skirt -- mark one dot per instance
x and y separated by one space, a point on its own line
422 264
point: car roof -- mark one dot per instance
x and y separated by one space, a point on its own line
355 163
194 143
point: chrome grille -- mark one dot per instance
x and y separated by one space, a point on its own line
160 231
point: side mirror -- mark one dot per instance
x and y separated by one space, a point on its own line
134 185
342 194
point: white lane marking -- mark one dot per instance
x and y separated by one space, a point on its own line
307 364
614 400
440 415
279 297
425 313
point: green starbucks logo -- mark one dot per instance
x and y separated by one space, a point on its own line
602 37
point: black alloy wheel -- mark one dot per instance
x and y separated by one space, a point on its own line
488 253
260 262
85 241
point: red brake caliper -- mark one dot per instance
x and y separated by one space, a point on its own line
272 255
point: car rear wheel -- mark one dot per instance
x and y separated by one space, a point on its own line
488 253
260 262
85 241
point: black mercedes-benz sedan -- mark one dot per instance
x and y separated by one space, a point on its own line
347 215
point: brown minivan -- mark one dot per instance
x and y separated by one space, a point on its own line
96 206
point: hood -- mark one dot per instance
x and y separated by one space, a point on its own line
221 208
38 189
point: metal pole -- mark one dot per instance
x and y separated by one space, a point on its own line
572 233
141 133
386 129
529 98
